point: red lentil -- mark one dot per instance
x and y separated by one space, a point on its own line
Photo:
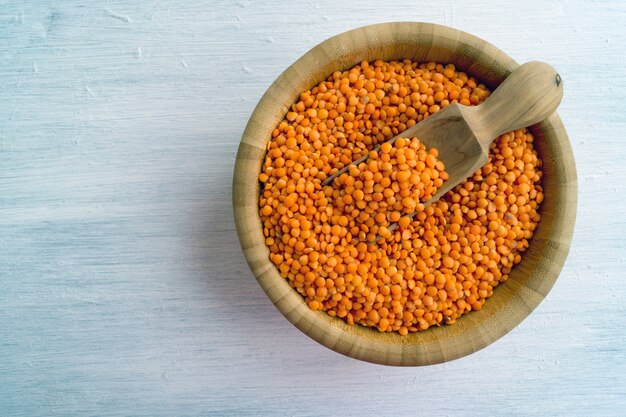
432 269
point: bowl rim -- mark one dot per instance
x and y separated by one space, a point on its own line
471 332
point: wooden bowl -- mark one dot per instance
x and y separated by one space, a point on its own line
512 301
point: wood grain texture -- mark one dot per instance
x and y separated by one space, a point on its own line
462 135
541 264
123 290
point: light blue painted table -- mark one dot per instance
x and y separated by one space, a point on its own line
123 290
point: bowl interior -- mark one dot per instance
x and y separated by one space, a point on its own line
528 283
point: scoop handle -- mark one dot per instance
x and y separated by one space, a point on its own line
530 94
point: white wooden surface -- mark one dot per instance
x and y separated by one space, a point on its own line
123 290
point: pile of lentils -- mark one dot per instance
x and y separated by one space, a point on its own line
333 243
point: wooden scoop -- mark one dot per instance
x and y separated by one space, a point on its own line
463 134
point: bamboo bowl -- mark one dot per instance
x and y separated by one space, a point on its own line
529 281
